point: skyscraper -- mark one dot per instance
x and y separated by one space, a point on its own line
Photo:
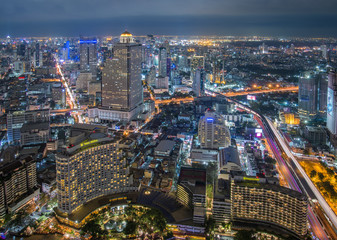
255 201
198 86
212 131
307 96
162 62
332 107
122 90
88 55
91 167
312 95
197 62
121 82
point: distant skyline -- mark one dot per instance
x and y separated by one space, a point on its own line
284 18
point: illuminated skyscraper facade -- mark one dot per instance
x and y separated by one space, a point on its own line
268 204
312 95
162 62
88 55
198 85
332 107
90 168
121 82
212 131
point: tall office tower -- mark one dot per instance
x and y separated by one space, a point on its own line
122 90
332 107
151 76
162 62
322 95
307 96
198 85
212 131
255 201
88 55
18 184
324 50
91 167
16 120
66 51
21 49
312 95
37 55
197 62
263 48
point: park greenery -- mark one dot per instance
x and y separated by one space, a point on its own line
145 223
133 222
325 180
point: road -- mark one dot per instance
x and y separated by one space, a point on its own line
292 171
288 175
71 100
190 99
284 89
309 186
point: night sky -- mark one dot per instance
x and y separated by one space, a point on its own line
283 18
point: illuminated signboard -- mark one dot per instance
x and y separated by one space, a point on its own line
251 179
251 97
88 143
258 130
209 119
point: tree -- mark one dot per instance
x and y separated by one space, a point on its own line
169 235
130 228
94 229
209 228
320 176
244 235
306 151
313 174
330 171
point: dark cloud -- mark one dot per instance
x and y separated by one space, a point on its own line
244 17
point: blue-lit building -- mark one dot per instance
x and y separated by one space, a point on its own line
88 55
212 131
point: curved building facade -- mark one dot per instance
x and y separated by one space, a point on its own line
212 131
269 204
89 170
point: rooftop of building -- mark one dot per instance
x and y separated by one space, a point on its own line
252 182
8 167
229 155
204 154
27 127
165 146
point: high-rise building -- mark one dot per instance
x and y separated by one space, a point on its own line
16 120
122 90
198 85
121 82
253 200
91 167
38 56
162 62
197 62
18 184
213 132
191 192
324 50
88 55
332 107
151 76
312 95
